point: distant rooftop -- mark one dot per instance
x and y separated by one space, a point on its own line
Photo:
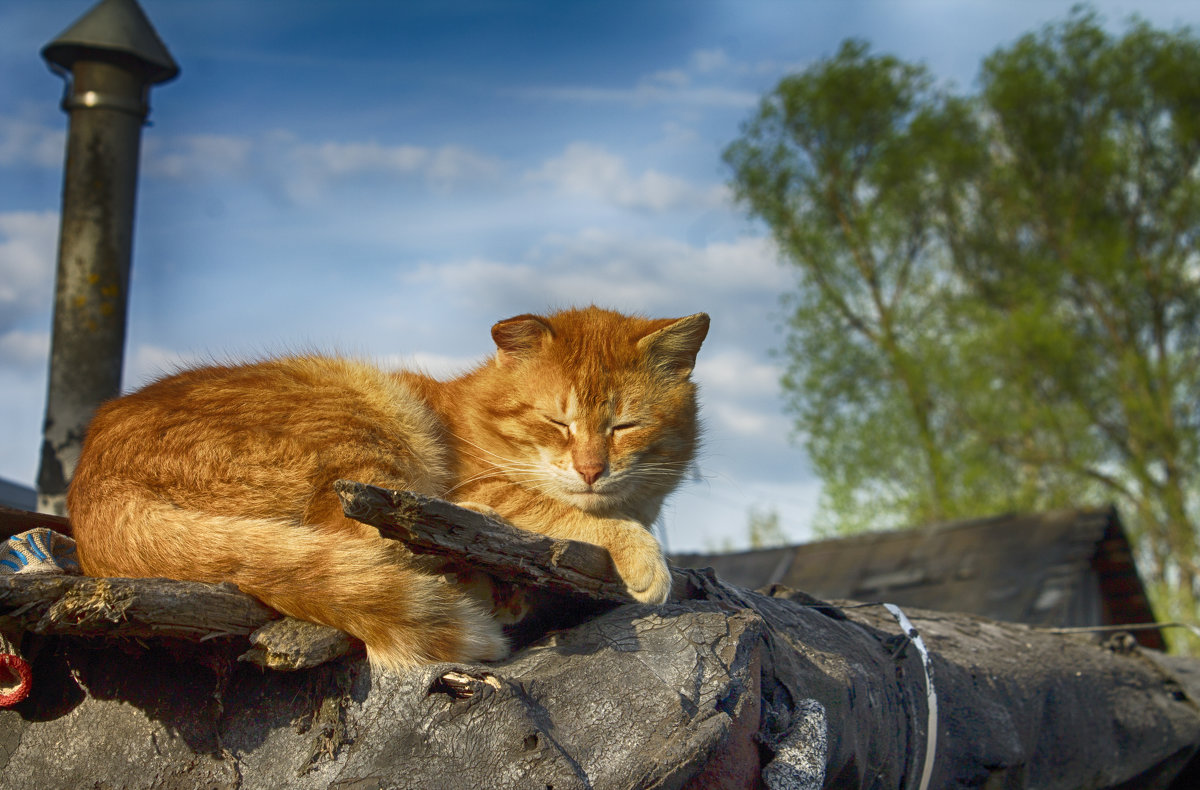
17 495
1063 568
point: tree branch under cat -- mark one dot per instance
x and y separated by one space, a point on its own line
59 604
433 526
565 571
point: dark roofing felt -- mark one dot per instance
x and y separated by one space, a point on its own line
1063 568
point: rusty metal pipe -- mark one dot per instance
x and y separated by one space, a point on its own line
109 57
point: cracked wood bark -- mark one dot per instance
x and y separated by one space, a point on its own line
717 691
433 526
114 608
290 644
59 604
724 688
565 571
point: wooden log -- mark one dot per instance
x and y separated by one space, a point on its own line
115 608
560 571
725 687
290 644
734 689
433 526
14 522
60 604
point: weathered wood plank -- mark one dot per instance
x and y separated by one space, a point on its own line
84 606
14 522
119 608
433 526
290 644
727 687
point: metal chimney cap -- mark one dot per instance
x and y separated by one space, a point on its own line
114 30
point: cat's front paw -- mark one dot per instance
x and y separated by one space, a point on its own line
640 561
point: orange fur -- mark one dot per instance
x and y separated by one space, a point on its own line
578 427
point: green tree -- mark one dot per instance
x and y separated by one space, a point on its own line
998 293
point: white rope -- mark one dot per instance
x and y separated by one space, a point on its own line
931 724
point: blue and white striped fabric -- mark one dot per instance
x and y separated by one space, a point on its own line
38 550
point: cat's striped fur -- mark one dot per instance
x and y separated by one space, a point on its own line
578 427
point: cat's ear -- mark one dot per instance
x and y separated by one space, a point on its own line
674 346
519 337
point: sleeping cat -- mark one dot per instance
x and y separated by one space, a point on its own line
578 427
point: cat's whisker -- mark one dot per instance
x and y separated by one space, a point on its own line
483 449
492 467
532 474
510 465
660 465
656 469
640 472
477 478
488 476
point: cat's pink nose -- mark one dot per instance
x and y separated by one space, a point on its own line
590 472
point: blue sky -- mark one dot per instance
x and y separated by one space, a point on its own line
388 179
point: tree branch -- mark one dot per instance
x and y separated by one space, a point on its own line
433 526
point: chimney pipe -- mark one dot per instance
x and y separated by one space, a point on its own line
109 58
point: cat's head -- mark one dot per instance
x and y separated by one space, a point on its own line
595 408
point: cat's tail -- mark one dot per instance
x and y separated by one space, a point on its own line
354 582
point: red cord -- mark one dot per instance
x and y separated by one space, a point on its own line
15 668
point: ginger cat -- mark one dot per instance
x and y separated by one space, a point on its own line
579 427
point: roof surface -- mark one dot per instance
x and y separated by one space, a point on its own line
1062 568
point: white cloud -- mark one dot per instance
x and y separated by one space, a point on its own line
697 83
676 135
302 170
440 366
653 275
307 168
28 240
24 350
748 422
591 172
451 278
340 159
741 394
670 78
192 156
647 92
445 164
737 373
709 60
22 410
738 419
452 164
148 362
720 270
23 142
